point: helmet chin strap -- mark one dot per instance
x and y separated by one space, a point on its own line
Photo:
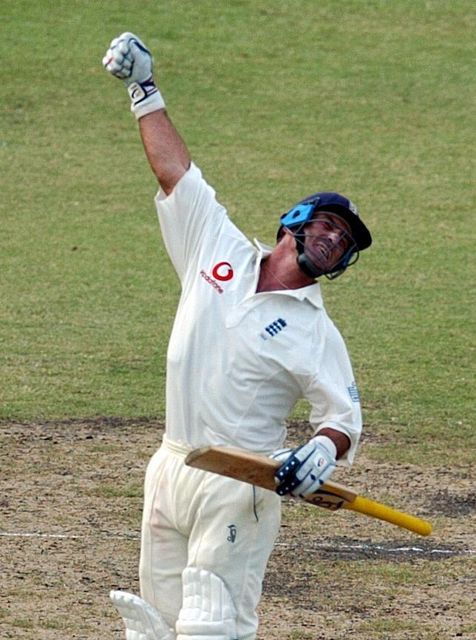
307 266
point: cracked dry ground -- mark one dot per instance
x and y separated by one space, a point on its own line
71 501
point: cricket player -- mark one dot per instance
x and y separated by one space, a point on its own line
251 337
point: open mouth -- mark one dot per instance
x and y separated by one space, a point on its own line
321 249
323 252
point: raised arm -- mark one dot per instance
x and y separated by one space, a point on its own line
165 150
129 60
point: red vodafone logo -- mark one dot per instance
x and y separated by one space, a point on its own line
222 271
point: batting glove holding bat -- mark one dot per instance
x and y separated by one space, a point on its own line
305 469
131 61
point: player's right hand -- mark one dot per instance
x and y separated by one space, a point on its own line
129 59
304 469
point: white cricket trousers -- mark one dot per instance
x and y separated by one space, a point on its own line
193 518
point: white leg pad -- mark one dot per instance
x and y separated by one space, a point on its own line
208 612
142 620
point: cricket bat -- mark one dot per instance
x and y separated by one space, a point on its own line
259 470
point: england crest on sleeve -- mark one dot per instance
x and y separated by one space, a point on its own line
354 392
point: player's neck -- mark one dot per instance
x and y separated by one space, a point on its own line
279 273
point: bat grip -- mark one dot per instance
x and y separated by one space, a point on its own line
382 512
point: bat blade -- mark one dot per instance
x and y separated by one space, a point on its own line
259 470
235 463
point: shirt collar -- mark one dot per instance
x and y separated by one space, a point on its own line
312 292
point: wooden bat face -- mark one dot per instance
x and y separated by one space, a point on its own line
235 463
259 470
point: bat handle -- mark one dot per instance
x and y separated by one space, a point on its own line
382 512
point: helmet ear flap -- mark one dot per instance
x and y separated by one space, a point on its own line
296 217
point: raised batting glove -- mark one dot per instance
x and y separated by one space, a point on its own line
305 469
131 61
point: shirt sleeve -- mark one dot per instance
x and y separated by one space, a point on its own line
189 216
332 392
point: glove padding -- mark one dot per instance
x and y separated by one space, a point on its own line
306 468
131 61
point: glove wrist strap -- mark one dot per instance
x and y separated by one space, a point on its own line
327 443
145 97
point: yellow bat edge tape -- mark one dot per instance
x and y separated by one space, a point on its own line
382 512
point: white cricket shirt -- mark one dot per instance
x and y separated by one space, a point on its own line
238 360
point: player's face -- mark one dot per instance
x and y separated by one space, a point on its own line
326 240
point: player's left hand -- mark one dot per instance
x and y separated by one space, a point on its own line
306 468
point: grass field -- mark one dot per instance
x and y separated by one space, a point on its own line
275 100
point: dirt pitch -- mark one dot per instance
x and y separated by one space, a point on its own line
71 501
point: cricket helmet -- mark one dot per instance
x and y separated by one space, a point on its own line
326 201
